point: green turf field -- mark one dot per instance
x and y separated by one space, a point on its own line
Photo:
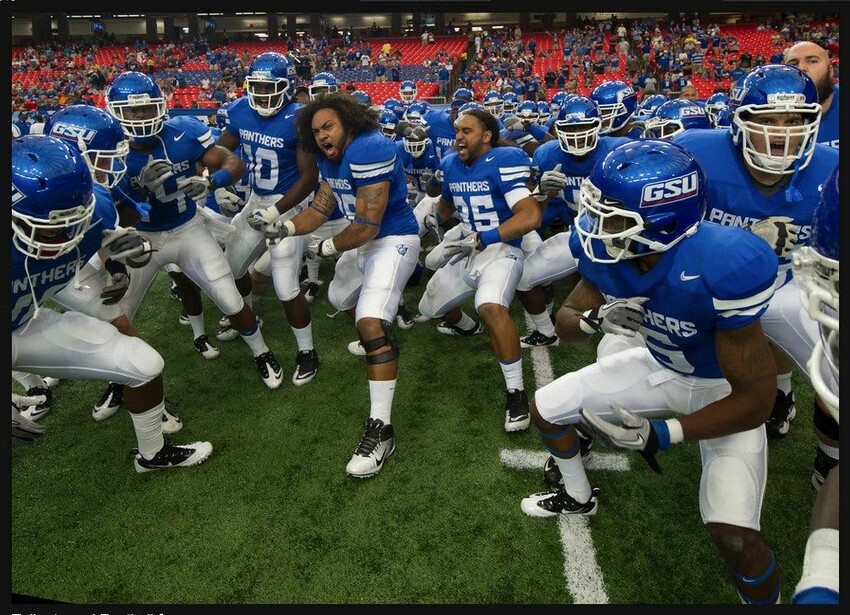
272 517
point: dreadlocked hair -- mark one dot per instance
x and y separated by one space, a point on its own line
354 117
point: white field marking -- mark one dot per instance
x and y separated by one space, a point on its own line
581 570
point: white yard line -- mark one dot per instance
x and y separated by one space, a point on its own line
582 573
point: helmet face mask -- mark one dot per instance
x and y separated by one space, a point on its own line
644 197
387 121
415 147
407 91
578 136
323 83
617 102
494 103
138 104
107 166
269 83
52 198
510 102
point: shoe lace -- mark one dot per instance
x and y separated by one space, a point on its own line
515 408
370 440
266 360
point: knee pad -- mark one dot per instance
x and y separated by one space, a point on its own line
387 339
729 493
824 423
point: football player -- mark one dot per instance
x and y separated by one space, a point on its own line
481 257
60 219
813 60
323 83
673 117
648 265
161 168
816 270
363 176
617 103
283 175
764 175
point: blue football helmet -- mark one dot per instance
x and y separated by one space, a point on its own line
270 82
723 119
617 103
648 106
544 112
388 120
713 104
97 135
510 101
415 114
816 271
527 112
323 83
470 106
362 97
557 101
221 118
494 103
769 90
577 126
396 106
416 141
673 117
407 91
52 198
643 197
136 100
461 96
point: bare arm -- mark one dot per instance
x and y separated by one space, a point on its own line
445 211
308 177
583 297
320 210
218 157
369 211
526 217
228 140
748 365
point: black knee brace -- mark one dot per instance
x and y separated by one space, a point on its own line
824 423
387 339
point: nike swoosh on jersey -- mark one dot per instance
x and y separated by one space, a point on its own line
180 136
286 117
687 278
489 159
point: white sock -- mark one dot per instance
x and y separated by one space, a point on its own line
255 342
304 337
313 269
381 394
543 323
249 300
197 323
148 427
783 382
575 478
28 380
512 371
466 322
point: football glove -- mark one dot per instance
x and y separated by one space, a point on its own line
22 427
620 317
228 200
778 232
512 122
321 248
115 292
155 173
456 249
262 218
127 246
635 434
553 180
195 187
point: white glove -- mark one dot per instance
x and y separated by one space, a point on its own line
456 249
127 246
438 175
115 292
155 173
553 181
228 200
261 218
620 317
512 122
778 232
635 433
321 248
195 187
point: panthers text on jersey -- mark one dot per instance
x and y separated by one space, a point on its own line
371 158
735 200
49 276
269 145
182 142
484 192
691 292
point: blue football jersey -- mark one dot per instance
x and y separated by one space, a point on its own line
520 137
182 142
442 131
269 145
426 164
828 129
484 192
371 158
47 276
549 155
692 293
733 198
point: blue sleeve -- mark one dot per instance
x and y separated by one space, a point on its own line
372 160
514 169
196 132
537 131
104 209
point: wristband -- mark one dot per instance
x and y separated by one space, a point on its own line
113 266
676 433
289 225
491 236
221 178
662 432
540 194
328 242
585 326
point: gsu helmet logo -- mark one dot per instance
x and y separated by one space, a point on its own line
72 133
670 191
